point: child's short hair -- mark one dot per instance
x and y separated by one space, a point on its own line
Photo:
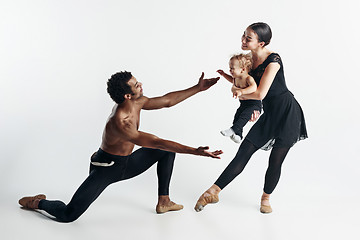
244 59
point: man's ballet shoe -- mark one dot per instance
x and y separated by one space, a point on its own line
265 209
164 208
205 199
31 202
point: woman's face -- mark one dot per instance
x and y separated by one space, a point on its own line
249 40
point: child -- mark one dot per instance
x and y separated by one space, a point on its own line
243 83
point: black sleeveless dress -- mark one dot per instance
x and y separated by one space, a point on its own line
282 124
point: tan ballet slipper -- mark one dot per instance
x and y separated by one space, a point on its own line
265 208
205 199
165 208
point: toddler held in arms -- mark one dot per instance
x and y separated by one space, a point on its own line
240 66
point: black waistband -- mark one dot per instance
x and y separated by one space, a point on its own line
250 102
104 157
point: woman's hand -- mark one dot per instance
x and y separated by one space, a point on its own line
254 116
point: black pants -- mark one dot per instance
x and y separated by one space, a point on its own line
118 168
243 114
237 165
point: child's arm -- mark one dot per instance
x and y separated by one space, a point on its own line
226 76
237 92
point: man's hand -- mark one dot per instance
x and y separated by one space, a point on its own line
202 152
205 84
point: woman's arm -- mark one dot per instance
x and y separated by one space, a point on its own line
265 82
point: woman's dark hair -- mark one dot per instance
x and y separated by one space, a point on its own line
263 32
118 86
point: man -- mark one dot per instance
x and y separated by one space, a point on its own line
115 160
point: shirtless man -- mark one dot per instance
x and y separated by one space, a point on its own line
115 160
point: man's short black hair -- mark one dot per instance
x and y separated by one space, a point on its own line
118 86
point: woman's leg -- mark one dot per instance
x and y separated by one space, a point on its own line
272 176
235 167
273 171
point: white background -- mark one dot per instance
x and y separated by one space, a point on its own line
55 59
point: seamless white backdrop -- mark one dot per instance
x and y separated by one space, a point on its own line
56 57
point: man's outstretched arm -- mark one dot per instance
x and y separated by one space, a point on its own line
151 141
173 98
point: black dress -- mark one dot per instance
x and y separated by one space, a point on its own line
282 123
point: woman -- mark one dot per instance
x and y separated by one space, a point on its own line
279 128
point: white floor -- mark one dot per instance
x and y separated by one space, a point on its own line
312 201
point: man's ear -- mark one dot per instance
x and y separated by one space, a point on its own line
127 96
262 44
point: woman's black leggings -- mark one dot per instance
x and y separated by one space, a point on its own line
117 168
237 165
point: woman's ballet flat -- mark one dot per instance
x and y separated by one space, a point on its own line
265 209
205 199
164 209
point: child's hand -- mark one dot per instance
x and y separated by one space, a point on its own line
236 91
221 72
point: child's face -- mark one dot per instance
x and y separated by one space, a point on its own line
235 68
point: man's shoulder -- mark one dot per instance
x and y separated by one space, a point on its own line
123 119
121 123
142 100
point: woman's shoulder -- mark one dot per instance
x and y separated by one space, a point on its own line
273 57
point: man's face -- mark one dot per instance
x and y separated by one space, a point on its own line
136 88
